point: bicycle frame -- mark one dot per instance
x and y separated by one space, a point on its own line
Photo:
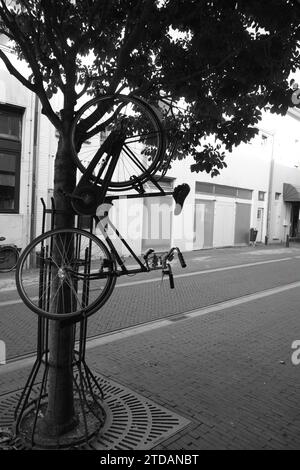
102 198
143 267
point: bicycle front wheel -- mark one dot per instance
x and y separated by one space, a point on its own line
143 148
8 258
65 274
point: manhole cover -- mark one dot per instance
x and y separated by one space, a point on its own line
133 421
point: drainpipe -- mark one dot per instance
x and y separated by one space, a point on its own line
270 190
34 169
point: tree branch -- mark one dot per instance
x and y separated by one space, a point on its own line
13 71
47 108
129 43
24 44
4 8
88 81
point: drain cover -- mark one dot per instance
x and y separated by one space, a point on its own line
133 422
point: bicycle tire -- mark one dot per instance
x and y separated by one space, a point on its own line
12 255
56 286
154 140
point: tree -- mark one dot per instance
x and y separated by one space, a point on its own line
225 60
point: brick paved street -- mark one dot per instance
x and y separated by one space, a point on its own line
229 371
18 324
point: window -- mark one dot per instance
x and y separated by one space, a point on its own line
277 196
261 195
244 193
204 187
10 155
221 190
10 125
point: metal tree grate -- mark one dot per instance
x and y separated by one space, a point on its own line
133 422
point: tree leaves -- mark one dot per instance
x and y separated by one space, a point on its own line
225 60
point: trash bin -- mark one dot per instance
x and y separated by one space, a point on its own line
253 235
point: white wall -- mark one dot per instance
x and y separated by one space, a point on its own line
16 227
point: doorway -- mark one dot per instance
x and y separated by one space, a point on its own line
259 224
295 224
242 223
204 224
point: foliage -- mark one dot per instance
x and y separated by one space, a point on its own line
218 62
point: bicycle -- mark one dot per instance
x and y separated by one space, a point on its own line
119 144
9 255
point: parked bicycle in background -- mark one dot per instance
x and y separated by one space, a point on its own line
9 255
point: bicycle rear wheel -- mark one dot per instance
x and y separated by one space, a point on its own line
65 274
142 151
8 258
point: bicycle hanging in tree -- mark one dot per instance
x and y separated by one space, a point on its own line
119 144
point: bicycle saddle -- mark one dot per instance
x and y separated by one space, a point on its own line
2 239
179 194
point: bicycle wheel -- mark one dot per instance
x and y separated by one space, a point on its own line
65 274
143 144
8 258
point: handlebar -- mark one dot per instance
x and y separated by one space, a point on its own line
170 255
181 259
148 253
166 267
163 262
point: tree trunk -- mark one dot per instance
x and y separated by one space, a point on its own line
60 415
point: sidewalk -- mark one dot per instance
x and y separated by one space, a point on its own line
228 372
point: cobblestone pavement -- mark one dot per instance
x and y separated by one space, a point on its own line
229 372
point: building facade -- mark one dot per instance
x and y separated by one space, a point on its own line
259 189
27 148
